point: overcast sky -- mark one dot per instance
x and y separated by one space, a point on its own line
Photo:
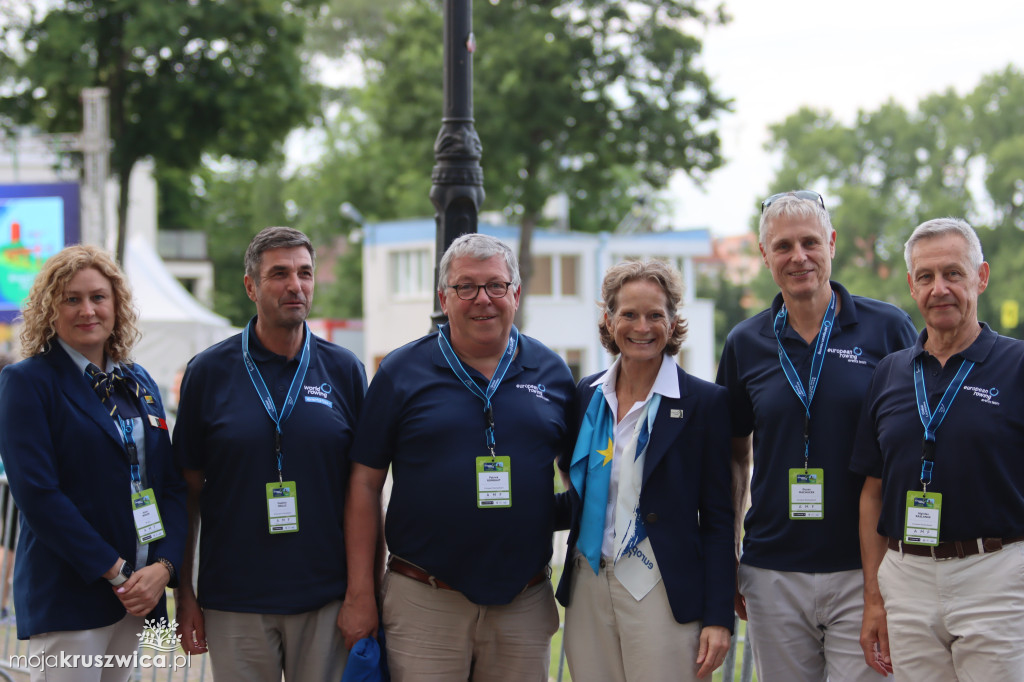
777 55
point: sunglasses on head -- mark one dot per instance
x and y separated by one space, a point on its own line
808 194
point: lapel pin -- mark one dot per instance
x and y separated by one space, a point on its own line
675 414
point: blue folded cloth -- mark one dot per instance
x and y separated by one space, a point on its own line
366 663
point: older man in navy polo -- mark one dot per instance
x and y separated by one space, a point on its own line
942 509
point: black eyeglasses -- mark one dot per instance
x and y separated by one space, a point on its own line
808 194
468 292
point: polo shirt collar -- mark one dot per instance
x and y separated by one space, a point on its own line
978 351
846 317
526 357
261 353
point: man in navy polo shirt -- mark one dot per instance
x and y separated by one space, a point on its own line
796 376
264 425
942 510
470 420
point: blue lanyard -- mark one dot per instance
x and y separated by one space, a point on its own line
931 421
806 396
264 394
127 426
499 373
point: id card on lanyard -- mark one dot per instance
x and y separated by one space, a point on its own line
493 473
806 485
924 509
282 497
145 514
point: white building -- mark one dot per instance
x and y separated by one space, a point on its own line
561 309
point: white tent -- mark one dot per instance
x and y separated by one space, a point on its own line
174 325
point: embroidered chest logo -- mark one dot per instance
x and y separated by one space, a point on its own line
986 395
853 356
536 389
318 394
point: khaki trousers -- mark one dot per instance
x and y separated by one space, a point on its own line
435 635
119 639
259 647
612 637
955 619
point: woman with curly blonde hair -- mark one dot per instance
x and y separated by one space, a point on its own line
88 459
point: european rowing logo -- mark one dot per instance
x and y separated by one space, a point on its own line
536 389
852 355
985 395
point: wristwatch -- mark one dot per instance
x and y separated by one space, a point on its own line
123 574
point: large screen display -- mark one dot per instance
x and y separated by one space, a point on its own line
36 221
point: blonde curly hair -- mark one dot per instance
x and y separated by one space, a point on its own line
42 306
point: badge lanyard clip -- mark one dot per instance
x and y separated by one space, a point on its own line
268 402
499 373
932 420
127 427
806 396
489 432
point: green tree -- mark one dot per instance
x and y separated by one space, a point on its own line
894 168
184 77
601 100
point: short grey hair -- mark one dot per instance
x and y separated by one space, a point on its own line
274 238
938 227
480 247
792 207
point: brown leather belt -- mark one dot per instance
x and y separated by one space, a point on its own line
403 567
954 549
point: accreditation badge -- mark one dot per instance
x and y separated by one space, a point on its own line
806 494
148 526
282 507
922 522
493 482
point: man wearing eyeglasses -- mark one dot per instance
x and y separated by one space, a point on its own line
470 419
797 374
942 510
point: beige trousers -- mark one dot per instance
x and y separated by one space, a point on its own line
612 637
956 619
435 635
119 639
259 647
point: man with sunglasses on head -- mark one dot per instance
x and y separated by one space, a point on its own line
797 374
470 419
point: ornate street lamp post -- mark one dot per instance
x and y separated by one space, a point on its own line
458 181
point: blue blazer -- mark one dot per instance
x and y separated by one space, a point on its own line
685 501
68 472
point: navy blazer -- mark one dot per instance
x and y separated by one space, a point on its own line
69 474
685 501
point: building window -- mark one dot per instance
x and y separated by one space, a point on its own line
570 277
556 276
411 274
540 281
574 358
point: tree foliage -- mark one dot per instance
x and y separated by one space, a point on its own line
894 168
599 100
185 77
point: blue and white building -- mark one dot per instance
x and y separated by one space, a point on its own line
561 308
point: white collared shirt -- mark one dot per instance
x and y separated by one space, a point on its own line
626 434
